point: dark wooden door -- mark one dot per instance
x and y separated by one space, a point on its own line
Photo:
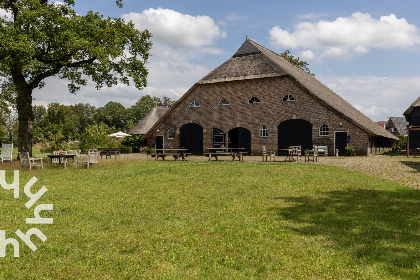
158 142
294 132
340 142
191 138
240 138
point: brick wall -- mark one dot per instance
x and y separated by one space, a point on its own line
270 112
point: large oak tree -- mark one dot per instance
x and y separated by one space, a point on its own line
42 39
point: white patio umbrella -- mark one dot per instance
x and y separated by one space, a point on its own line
119 134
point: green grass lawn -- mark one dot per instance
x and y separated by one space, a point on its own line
214 220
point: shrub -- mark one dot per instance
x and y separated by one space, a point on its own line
349 150
401 143
125 149
133 141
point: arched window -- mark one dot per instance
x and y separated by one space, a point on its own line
253 100
171 133
324 130
263 131
288 97
224 102
194 104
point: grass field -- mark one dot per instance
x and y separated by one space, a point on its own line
214 220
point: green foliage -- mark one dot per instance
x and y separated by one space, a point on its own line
349 150
111 142
94 136
148 150
43 39
114 115
401 143
56 142
296 61
142 107
134 141
125 149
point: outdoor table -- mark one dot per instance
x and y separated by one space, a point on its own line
233 152
289 156
177 153
62 158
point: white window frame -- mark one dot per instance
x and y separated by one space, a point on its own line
322 131
289 98
223 101
263 131
254 100
171 131
194 104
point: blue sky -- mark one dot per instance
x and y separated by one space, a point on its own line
368 52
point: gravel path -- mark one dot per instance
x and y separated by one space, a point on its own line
394 168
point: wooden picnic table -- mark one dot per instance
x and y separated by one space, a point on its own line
176 153
61 158
233 152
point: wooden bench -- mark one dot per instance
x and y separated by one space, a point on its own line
109 152
183 156
157 156
240 155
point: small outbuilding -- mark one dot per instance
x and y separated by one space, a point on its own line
412 115
257 98
397 126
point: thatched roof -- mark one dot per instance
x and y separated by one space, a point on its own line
148 121
253 61
400 124
265 63
411 108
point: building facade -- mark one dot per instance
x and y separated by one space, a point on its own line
257 99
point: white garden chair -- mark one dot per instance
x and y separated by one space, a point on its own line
6 152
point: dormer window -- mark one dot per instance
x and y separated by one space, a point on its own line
288 97
224 102
194 104
253 100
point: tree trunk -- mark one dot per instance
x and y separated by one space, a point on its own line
25 117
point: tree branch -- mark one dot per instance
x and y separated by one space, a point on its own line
81 62
42 76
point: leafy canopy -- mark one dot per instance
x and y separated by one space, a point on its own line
41 39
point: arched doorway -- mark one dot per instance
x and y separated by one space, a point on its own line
191 138
240 138
294 132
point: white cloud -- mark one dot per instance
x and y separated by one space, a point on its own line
348 35
311 16
178 42
377 97
174 28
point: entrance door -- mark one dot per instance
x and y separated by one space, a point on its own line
294 132
340 142
218 138
191 138
240 138
158 142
